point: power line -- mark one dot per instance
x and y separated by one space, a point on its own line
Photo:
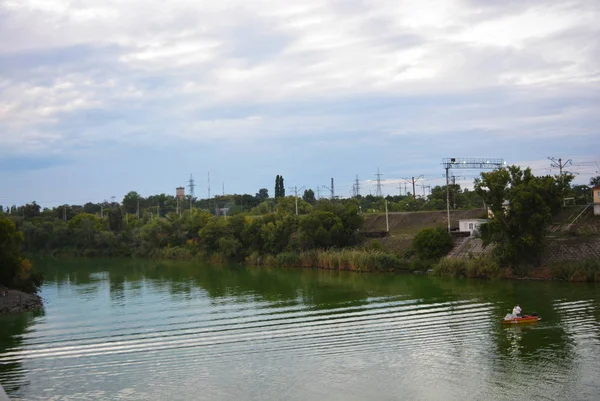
413 181
559 164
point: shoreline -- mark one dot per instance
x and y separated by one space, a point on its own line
15 301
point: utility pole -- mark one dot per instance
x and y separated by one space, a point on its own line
560 165
191 185
454 177
330 189
414 181
378 191
296 196
208 200
387 222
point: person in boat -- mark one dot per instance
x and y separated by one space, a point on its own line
517 311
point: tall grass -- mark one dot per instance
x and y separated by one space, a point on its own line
343 259
587 270
474 267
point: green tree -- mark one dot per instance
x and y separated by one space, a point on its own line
432 243
522 206
321 229
131 202
309 197
262 194
277 189
595 181
91 208
15 270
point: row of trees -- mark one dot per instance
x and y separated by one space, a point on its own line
116 233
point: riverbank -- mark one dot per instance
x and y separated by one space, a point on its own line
15 301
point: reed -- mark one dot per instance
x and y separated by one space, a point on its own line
587 270
342 259
473 267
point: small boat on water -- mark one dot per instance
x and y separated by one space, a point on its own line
513 319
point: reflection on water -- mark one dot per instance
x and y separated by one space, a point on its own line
142 330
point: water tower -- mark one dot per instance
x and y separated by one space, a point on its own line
180 192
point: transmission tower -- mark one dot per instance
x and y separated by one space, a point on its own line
356 188
191 185
378 191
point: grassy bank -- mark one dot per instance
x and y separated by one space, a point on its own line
343 259
487 267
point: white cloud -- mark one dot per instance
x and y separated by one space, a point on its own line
176 61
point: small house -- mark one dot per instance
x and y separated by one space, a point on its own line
470 225
596 192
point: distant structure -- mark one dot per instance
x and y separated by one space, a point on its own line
356 188
191 185
378 191
180 192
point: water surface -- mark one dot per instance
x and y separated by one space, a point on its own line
139 330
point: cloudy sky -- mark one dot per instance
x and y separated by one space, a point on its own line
100 97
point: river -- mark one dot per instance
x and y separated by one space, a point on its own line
142 330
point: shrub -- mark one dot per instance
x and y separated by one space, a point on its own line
432 243
484 267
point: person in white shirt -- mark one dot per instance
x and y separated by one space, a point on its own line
517 311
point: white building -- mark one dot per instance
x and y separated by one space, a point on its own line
470 225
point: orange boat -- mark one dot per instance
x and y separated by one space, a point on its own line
512 319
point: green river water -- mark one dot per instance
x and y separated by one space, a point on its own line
142 330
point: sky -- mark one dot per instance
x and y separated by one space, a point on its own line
102 97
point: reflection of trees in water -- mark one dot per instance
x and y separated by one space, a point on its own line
327 289
12 329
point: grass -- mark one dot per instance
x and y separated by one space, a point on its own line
588 270
483 267
342 259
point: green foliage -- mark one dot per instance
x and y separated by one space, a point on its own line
588 270
321 229
279 187
309 197
474 267
287 205
432 243
15 270
192 232
595 181
518 227
262 194
345 259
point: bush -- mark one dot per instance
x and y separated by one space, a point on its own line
432 243
484 267
588 270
